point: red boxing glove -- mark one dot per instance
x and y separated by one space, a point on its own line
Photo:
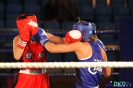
73 36
27 25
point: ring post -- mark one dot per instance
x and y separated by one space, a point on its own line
126 48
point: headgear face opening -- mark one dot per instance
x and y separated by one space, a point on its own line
87 29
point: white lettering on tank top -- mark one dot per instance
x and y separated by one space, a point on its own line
96 69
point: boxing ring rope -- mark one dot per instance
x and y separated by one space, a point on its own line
66 64
62 33
63 64
109 49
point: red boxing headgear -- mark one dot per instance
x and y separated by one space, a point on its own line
27 22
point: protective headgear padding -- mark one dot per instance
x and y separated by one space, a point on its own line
87 29
26 19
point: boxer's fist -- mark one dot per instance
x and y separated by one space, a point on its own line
27 25
73 36
41 37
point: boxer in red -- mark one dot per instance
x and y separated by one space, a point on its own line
26 49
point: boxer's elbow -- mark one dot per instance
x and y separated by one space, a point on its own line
107 72
17 57
17 54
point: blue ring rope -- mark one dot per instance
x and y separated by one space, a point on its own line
52 75
62 33
108 50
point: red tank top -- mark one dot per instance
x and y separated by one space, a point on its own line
34 52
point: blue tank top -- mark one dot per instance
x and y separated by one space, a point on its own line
90 77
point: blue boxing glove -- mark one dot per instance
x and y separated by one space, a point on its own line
33 38
100 43
41 37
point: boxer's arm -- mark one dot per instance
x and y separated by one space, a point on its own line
70 37
17 52
56 39
106 70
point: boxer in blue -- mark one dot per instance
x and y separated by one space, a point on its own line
89 49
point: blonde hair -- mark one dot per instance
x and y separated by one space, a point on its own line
79 20
94 38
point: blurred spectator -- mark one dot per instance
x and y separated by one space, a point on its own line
51 10
67 11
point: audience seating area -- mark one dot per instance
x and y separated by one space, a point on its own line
104 13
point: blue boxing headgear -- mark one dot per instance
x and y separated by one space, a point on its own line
87 29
